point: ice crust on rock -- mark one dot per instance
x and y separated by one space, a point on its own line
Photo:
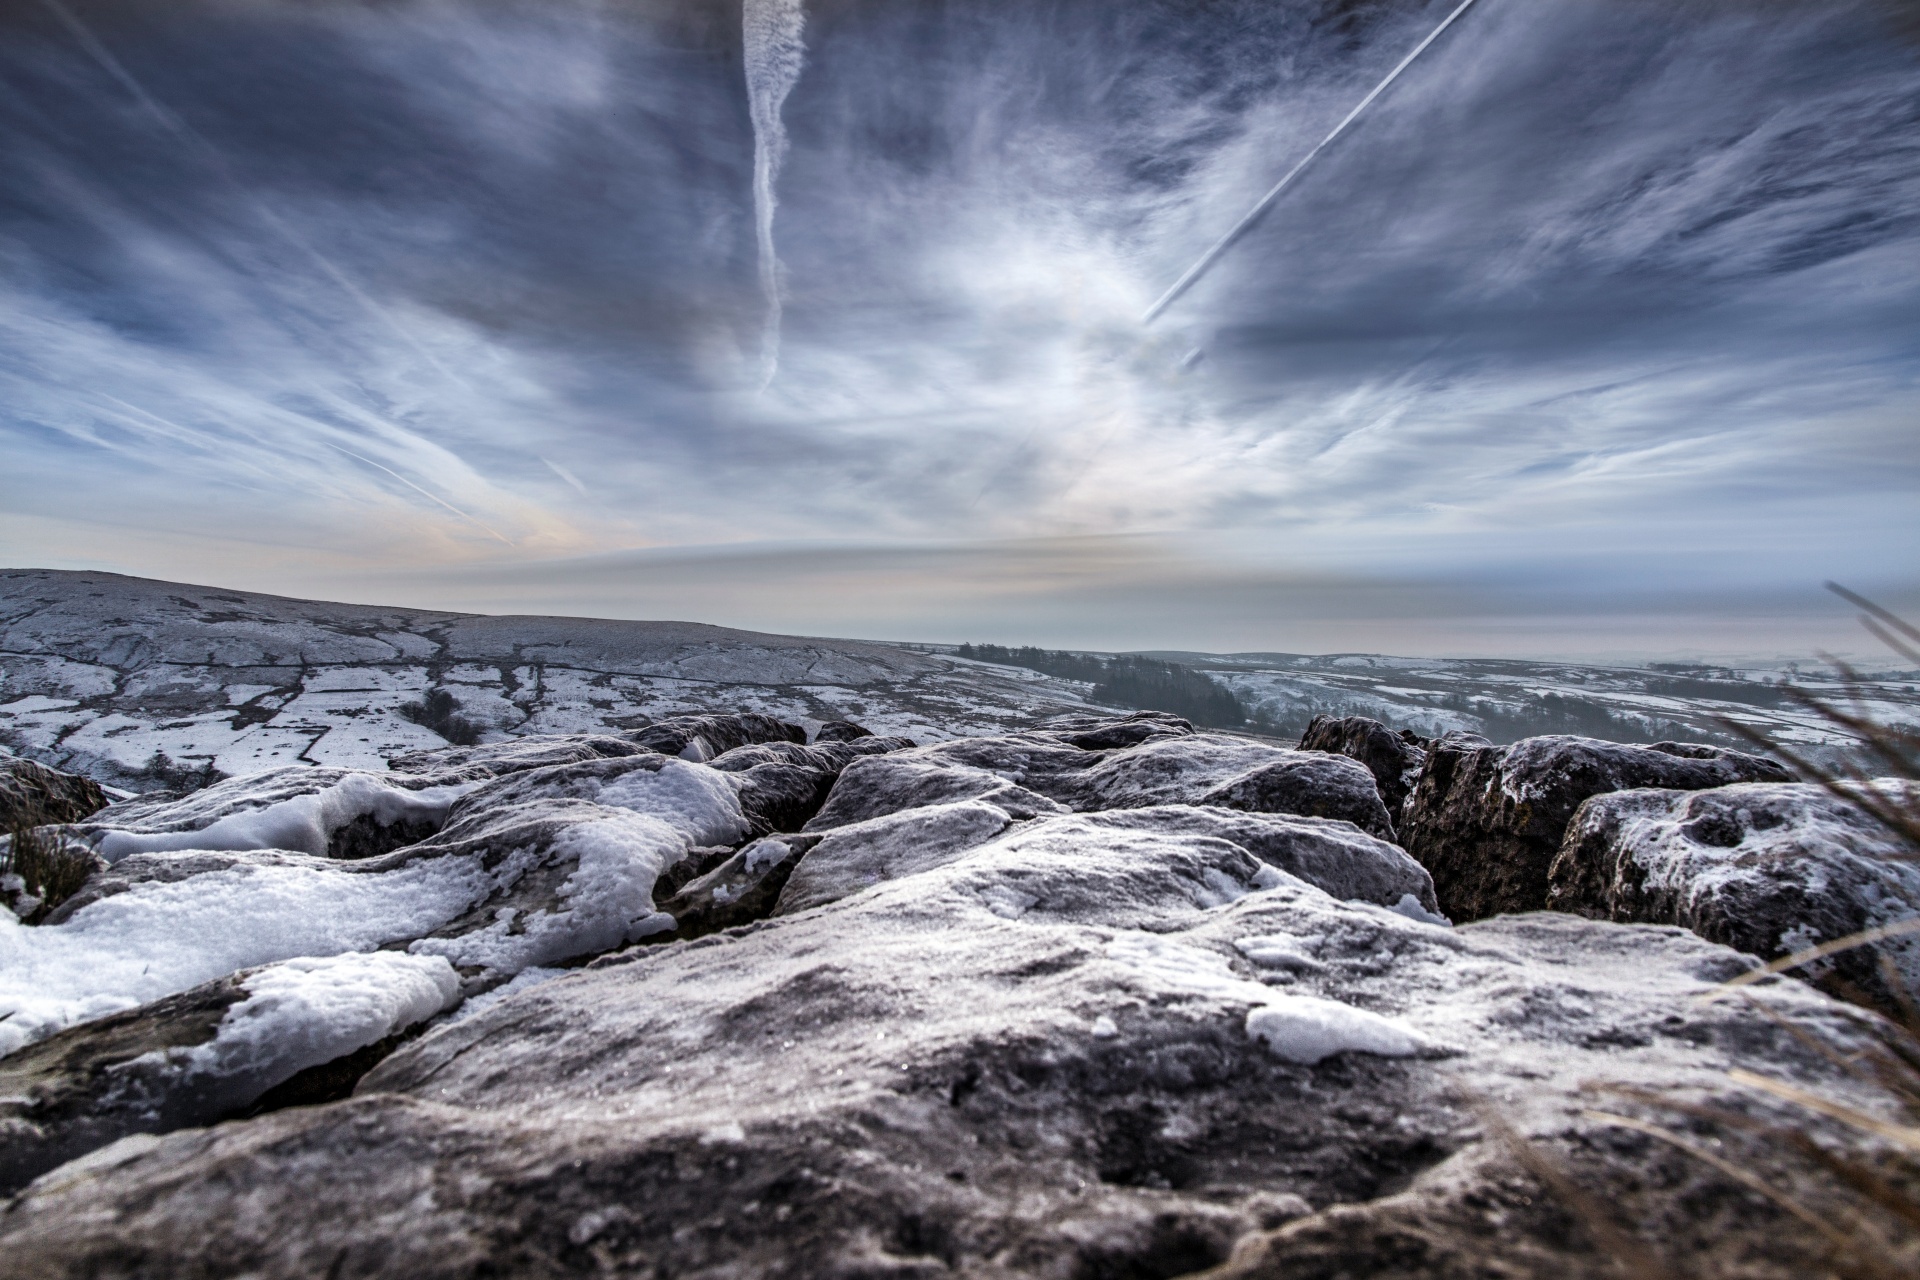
259 813
307 1011
525 872
1768 868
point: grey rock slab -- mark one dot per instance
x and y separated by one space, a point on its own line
880 785
1174 770
1767 868
1047 1058
850 859
1488 821
1310 785
1394 759
1332 855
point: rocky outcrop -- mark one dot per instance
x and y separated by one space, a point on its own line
1394 759
1142 761
204 1055
1487 821
1077 1050
32 794
704 737
1769 869
1072 1002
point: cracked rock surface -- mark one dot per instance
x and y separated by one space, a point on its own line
1487 821
1769 868
1093 999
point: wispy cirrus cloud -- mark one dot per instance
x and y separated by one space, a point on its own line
413 286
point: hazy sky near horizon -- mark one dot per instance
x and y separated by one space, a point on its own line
1598 336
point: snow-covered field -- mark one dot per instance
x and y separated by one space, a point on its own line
131 681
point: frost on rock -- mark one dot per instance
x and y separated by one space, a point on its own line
1130 764
1768 868
1487 821
1050 1055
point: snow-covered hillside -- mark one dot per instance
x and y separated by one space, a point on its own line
1507 700
130 680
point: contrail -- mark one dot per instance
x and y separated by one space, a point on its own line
187 133
774 50
1240 228
425 493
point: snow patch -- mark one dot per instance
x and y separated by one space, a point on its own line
308 1011
1296 1028
301 824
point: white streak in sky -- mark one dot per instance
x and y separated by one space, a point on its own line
774 50
566 475
425 493
1240 228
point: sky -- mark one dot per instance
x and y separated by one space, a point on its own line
1596 336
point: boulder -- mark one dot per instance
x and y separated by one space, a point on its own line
1487 821
1080 1049
32 794
876 786
1394 759
1312 786
207 1054
697 737
841 731
1766 868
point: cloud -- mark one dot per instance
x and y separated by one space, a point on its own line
1609 290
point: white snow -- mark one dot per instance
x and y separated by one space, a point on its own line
1409 906
698 802
1305 1029
1296 1028
609 899
158 938
301 824
308 1011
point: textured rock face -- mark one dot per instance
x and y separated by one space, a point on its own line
1145 760
1488 821
1394 759
31 794
1040 1004
1769 869
1072 1052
